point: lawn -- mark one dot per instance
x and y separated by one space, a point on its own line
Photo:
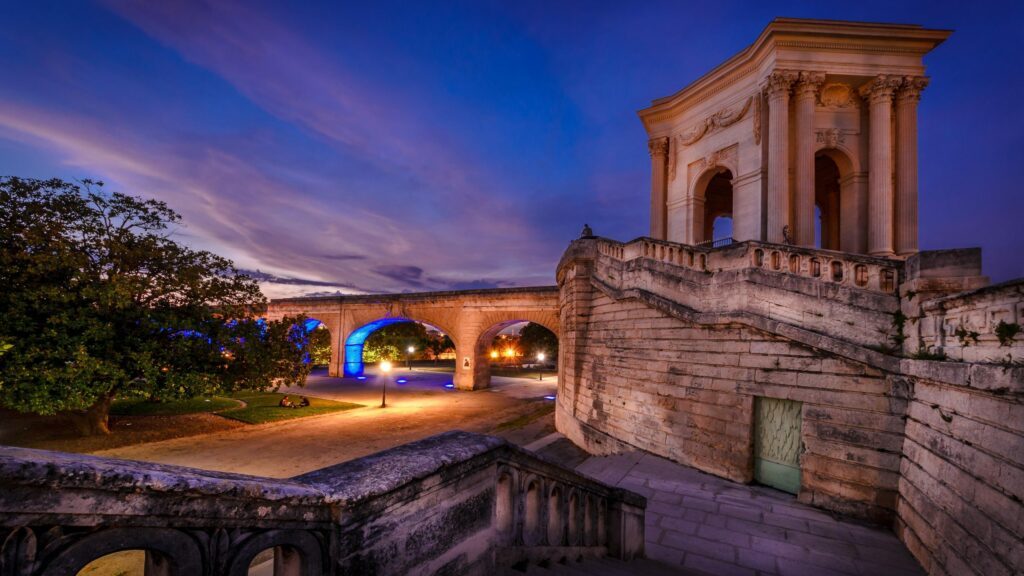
248 407
140 407
263 407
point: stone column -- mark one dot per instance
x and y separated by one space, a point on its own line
777 85
806 94
658 148
906 163
878 92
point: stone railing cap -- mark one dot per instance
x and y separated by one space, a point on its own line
31 467
393 468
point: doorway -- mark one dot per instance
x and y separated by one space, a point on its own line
777 443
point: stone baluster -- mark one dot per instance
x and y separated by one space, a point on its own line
879 92
658 148
906 163
806 95
778 85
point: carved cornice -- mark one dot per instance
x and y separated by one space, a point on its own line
779 82
808 83
911 87
720 119
657 146
881 88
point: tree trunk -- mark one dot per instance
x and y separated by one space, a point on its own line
94 419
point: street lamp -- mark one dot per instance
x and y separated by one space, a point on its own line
408 357
385 368
540 367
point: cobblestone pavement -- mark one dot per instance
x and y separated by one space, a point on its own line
716 526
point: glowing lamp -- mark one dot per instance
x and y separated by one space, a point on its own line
494 353
411 349
385 366
540 356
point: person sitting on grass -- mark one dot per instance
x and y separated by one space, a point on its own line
303 402
285 403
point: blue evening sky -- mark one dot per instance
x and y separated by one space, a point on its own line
395 146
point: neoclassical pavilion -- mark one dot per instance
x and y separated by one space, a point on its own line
809 137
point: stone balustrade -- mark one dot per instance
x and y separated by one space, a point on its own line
456 503
850 270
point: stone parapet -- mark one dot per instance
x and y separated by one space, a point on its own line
453 503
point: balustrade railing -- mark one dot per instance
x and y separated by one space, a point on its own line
851 270
453 503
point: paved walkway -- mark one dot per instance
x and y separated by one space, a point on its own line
719 527
421 406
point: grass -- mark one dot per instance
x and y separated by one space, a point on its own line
258 407
199 405
263 407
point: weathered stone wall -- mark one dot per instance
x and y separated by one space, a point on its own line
962 473
685 391
669 359
968 326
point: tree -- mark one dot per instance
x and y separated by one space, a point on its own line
534 338
438 343
320 346
100 302
390 342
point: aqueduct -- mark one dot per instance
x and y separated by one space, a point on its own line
471 318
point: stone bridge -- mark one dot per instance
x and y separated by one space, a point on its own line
471 318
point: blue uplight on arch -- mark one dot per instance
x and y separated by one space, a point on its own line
354 344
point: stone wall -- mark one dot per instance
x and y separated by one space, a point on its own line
669 359
962 473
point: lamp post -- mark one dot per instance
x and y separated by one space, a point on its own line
540 367
385 368
408 357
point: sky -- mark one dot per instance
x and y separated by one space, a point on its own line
410 146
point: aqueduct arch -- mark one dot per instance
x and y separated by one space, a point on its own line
470 318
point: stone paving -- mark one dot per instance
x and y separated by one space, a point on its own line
705 523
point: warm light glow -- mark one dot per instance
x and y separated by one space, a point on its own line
540 356
494 353
510 352
385 366
412 349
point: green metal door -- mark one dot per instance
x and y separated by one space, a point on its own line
777 444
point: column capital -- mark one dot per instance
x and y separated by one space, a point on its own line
808 84
911 87
779 82
658 146
880 88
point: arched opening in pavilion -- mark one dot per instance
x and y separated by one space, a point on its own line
713 217
827 207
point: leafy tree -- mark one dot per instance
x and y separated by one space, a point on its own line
390 342
438 343
320 346
100 302
534 338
